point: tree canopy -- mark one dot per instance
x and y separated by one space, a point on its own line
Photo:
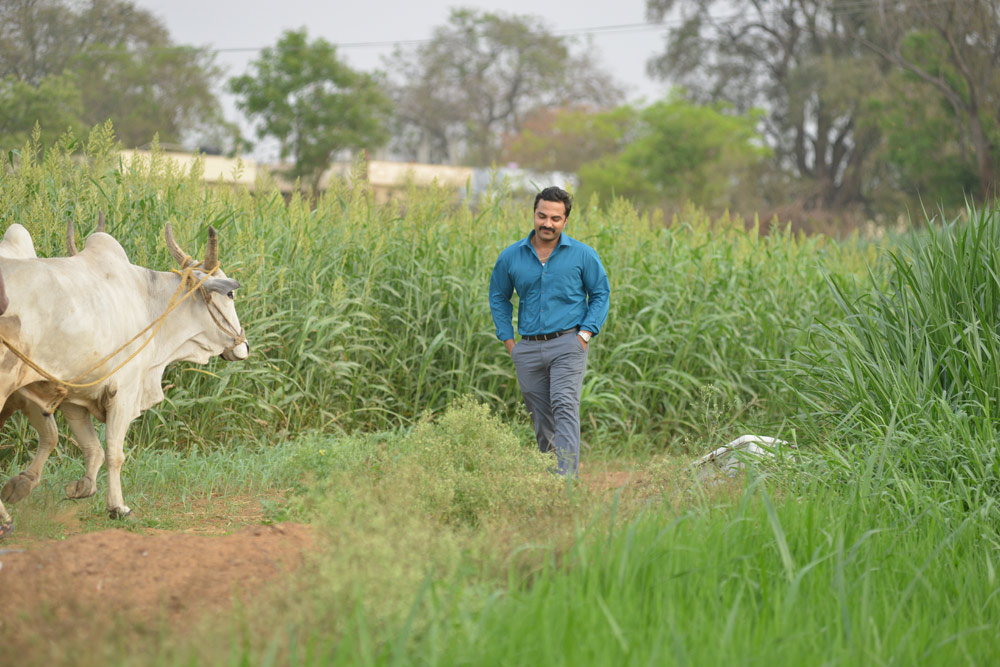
304 96
864 101
952 49
856 106
679 152
479 78
73 65
800 62
564 139
54 106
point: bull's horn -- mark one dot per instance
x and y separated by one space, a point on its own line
212 250
175 250
100 221
70 239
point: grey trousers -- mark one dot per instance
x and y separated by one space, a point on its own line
550 374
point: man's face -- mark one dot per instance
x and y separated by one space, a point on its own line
550 218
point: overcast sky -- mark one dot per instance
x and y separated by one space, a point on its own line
364 30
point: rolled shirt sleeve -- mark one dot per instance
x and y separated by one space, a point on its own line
595 282
501 291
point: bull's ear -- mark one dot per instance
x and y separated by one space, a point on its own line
100 221
212 250
221 285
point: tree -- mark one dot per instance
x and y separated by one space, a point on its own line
681 152
55 105
915 124
478 78
796 59
122 63
953 47
312 103
564 139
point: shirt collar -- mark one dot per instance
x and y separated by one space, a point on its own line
563 239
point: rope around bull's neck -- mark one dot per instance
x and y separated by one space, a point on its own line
186 274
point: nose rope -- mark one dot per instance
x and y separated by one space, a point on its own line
239 337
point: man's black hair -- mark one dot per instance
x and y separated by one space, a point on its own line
553 193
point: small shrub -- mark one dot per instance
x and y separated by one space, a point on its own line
469 467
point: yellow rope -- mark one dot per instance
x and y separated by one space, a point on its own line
186 276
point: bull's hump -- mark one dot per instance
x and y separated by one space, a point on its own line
17 243
104 246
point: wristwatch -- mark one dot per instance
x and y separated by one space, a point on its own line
585 335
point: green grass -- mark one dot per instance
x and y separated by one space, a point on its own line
166 488
439 545
781 566
914 362
804 583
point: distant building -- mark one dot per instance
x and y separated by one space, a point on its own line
215 168
387 179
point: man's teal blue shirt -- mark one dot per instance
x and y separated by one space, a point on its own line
571 289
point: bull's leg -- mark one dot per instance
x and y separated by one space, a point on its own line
19 486
6 523
93 455
119 418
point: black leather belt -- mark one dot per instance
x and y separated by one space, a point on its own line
550 336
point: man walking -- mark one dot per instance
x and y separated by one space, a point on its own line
563 296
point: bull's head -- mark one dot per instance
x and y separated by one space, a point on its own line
218 292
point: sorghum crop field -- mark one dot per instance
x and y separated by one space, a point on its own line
379 403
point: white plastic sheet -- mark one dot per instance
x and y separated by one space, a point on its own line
732 457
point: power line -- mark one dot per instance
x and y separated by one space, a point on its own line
625 27
842 8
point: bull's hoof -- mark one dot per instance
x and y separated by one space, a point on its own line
120 513
17 488
81 488
6 528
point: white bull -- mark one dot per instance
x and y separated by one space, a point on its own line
17 244
76 319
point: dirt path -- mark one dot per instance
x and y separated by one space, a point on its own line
132 581
57 593
119 571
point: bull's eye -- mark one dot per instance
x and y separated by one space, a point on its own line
231 294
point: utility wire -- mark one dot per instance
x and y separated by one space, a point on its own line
721 20
841 9
626 27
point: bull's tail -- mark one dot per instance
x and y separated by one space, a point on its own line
3 296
